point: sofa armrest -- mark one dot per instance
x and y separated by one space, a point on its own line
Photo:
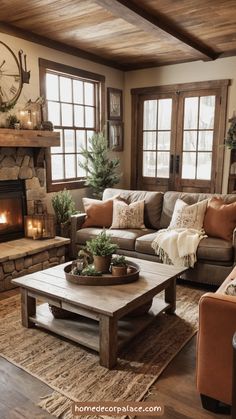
217 325
76 223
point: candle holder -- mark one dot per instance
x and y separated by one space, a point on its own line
40 227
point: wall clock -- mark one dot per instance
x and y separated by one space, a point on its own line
12 77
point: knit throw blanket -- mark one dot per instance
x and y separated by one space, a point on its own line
178 246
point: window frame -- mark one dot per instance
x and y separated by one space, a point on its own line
62 69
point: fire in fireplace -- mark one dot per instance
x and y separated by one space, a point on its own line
12 209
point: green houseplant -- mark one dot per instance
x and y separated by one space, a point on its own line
102 249
100 169
64 207
119 265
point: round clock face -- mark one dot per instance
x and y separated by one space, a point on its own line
10 77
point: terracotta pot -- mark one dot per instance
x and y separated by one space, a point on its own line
102 263
119 270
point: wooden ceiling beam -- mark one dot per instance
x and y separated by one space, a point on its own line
59 46
148 22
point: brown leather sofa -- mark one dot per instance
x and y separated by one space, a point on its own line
217 325
216 257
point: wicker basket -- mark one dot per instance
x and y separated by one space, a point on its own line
61 313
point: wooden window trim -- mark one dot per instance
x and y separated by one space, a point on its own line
45 65
137 93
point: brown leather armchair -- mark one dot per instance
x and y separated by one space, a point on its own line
217 325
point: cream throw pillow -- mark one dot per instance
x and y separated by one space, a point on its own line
188 216
231 288
128 216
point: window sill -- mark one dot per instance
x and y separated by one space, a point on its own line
56 187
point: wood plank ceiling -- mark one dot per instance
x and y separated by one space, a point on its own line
127 34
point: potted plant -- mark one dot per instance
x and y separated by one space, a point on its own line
102 249
64 207
100 169
230 141
119 266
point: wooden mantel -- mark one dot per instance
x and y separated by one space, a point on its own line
28 138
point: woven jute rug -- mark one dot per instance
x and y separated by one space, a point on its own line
74 373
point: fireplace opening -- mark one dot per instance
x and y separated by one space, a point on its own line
12 209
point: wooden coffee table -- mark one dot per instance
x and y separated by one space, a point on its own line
104 325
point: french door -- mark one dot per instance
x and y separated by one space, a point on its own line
179 137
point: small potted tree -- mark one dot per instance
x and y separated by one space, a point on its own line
64 207
119 266
102 249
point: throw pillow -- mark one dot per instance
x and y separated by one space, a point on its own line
231 288
128 216
98 213
188 216
220 219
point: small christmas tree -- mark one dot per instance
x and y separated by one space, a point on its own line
100 169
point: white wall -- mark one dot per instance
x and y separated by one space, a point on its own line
113 78
179 73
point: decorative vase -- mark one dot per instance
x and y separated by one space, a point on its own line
102 263
119 270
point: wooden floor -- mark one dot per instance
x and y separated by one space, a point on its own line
175 389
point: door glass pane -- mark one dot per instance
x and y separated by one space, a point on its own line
204 166
52 86
150 115
60 148
70 166
80 140
66 111
163 164
190 141
149 163
149 140
79 116
54 113
78 95
163 140
69 138
207 112
164 113
205 140
57 167
65 89
191 112
89 93
189 165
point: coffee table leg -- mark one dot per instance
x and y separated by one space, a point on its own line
170 296
108 341
28 308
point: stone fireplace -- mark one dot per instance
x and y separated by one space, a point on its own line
22 183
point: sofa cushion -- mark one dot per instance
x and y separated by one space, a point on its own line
98 213
128 215
220 219
171 197
210 249
125 239
188 216
152 207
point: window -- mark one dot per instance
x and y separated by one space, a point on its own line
73 103
178 135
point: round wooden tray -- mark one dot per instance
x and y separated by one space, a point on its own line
105 279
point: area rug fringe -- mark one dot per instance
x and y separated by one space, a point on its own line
74 374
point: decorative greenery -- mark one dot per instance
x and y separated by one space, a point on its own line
230 141
63 206
100 169
101 245
119 260
5 108
12 120
90 271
